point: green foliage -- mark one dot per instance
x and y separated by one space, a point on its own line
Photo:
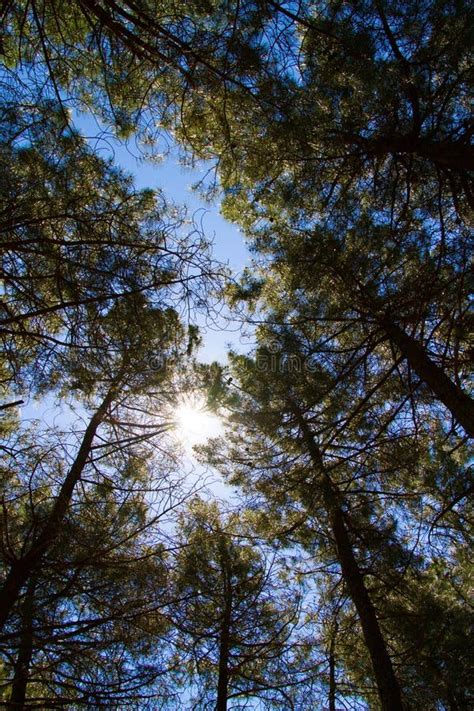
341 139
233 618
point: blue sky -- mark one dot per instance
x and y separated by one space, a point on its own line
176 183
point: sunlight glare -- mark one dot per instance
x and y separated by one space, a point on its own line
195 423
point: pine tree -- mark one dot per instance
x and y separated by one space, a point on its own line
234 621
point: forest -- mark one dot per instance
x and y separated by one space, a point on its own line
329 568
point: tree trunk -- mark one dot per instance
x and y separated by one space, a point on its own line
387 683
223 679
448 154
388 687
25 652
332 677
458 403
455 155
22 569
453 704
224 641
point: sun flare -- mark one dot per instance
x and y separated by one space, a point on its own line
195 423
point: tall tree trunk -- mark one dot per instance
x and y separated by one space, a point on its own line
458 403
22 569
387 683
25 651
332 674
223 680
388 687
224 641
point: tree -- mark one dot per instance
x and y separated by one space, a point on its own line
234 621
84 570
373 284
77 236
283 439
112 373
83 631
343 490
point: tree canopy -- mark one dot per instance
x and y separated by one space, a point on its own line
338 136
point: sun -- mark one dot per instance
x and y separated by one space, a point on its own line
194 423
